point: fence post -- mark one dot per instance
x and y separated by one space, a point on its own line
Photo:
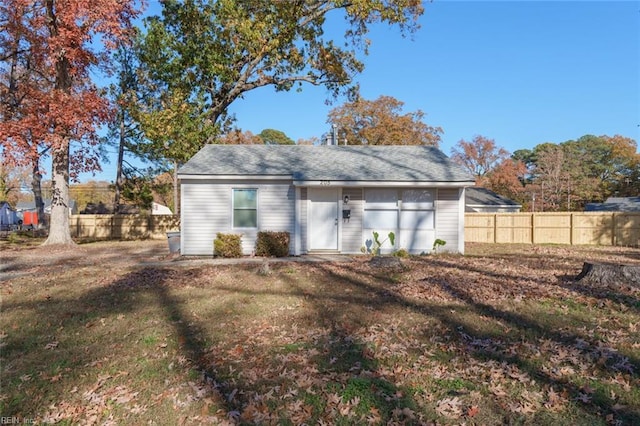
495 228
571 229
533 228
614 225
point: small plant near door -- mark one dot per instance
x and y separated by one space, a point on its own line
377 244
438 243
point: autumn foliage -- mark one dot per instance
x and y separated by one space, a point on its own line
381 122
47 97
478 156
562 176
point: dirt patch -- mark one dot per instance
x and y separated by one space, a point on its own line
17 260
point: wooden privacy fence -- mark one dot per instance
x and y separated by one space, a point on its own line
122 227
600 228
597 228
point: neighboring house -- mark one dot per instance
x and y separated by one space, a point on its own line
159 209
482 200
8 216
30 206
615 204
100 208
329 198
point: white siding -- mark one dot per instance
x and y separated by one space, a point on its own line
206 210
304 208
276 212
447 218
352 228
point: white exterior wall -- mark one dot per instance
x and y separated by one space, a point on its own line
304 210
352 228
448 222
206 209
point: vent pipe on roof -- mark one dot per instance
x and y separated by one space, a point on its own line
332 138
334 134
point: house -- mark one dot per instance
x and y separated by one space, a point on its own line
30 206
8 217
482 200
329 198
615 204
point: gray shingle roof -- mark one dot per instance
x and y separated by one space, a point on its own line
615 204
475 196
313 163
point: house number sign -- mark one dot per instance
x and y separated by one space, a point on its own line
325 182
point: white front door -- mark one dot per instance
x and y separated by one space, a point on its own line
323 219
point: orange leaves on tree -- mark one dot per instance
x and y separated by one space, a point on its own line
478 156
381 122
47 96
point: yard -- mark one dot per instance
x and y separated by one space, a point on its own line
117 332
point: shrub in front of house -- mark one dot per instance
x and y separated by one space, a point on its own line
227 245
272 244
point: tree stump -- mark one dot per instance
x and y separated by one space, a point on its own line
264 269
610 274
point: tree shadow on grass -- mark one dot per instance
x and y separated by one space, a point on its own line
367 393
618 293
74 352
344 362
599 403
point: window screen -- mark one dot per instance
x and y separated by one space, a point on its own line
381 198
417 199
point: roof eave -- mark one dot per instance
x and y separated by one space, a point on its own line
189 176
502 206
380 183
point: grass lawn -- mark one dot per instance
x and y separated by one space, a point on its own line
120 332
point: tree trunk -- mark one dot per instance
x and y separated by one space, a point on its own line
59 232
118 186
36 188
610 274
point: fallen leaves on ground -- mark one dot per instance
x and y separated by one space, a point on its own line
485 338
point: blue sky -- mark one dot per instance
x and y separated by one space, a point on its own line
521 73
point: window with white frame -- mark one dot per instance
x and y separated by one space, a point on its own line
245 208
381 209
418 212
380 215
417 220
409 213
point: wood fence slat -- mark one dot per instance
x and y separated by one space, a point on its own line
122 227
571 228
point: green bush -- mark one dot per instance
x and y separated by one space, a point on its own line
227 245
272 244
401 253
